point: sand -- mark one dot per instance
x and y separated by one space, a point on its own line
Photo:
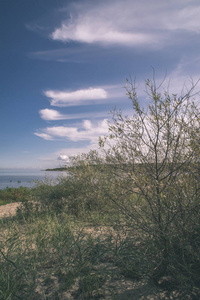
9 209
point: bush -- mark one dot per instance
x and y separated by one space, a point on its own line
146 179
149 170
9 195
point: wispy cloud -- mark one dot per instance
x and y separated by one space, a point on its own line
79 53
186 18
107 23
44 136
92 34
87 131
79 97
53 115
127 23
73 54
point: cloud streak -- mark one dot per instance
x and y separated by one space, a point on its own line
79 97
104 23
94 34
44 136
187 18
87 131
53 115
127 23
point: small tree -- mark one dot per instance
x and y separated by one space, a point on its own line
148 170
156 176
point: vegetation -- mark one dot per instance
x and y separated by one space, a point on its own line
9 195
129 214
57 169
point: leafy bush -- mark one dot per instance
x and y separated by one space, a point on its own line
145 181
78 193
148 170
9 195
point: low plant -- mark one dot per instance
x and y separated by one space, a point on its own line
47 255
11 195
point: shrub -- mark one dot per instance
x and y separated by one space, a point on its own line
149 170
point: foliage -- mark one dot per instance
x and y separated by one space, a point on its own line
149 170
129 211
156 154
53 257
57 169
78 193
9 195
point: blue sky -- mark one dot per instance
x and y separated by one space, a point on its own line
64 64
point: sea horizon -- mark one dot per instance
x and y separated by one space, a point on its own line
24 177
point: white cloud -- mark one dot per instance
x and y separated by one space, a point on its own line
108 23
128 22
53 115
63 157
186 18
65 98
45 136
62 132
87 131
75 151
53 160
87 125
91 34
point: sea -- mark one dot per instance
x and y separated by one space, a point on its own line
27 178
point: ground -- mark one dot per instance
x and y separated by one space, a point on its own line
119 287
8 209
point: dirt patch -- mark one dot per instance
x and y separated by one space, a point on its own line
9 209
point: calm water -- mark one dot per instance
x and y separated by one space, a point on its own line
27 178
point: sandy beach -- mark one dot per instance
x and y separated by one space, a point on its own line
8 209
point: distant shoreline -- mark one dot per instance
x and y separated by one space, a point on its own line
56 169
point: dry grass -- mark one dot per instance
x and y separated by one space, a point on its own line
47 249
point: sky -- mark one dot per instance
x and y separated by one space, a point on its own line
64 64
